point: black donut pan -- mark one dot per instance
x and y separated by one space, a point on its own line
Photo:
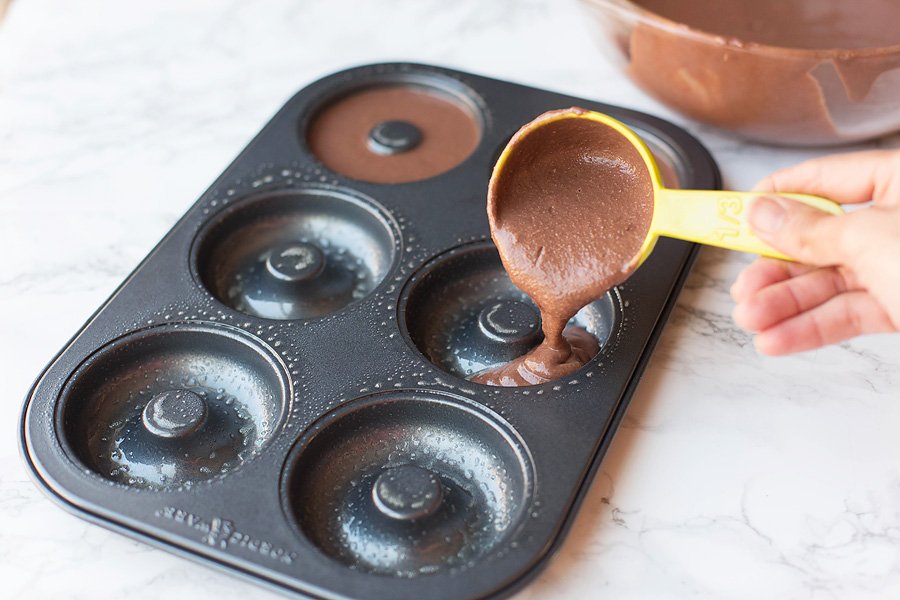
326 451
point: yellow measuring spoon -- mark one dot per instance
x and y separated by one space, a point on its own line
716 218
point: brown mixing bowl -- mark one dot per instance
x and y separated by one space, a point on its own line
807 96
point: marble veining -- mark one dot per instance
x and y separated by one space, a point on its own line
733 475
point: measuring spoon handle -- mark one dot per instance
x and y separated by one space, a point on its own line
719 218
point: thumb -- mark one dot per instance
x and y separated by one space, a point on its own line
802 232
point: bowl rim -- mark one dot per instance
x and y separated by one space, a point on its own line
648 17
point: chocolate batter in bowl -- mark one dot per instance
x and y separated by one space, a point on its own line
798 72
395 132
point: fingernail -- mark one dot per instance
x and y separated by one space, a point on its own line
766 214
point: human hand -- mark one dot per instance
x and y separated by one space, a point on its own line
847 278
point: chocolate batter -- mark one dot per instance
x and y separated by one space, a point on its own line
569 212
345 135
775 70
809 24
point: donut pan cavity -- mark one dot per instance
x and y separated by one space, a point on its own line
280 388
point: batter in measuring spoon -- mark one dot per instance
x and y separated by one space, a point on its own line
570 204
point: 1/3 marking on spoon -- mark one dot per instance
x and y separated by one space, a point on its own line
729 210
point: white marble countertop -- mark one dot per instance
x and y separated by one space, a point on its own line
733 476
